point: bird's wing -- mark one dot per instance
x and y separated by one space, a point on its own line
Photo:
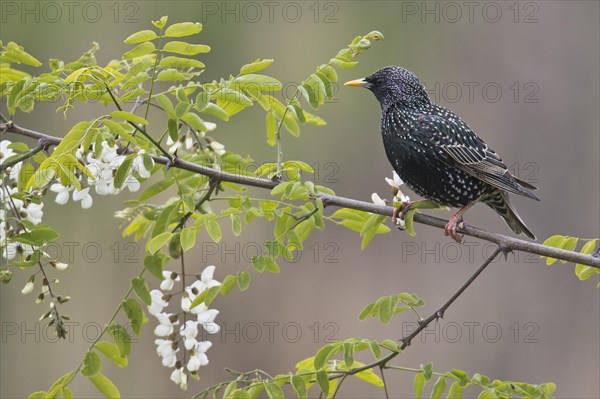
467 152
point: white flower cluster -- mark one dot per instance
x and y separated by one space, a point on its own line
26 210
103 171
395 182
171 333
187 142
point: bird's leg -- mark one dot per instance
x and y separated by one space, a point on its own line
455 220
401 212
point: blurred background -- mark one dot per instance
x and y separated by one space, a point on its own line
524 75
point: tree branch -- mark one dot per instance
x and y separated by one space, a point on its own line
406 341
507 243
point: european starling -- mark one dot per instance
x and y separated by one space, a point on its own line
437 154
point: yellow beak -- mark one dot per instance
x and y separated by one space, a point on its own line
356 83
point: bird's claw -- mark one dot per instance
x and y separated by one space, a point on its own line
399 213
450 229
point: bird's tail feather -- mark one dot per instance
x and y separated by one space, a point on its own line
500 203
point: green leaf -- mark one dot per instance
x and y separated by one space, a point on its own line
456 391
214 230
141 36
323 380
156 243
386 308
228 284
568 244
299 386
366 312
183 29
185 48
141 289
258 82
273 390
172 74
194 121
438 388
135 314
153 264
236 224
374 346
409 224
582 271
179 62
315 88
105 386
122 172
349 354
37 237
139 50
553 241
418 385
155 189
243 280
121 338
323 355
216 111
16 53
231 95
258 263
111 351
91 364
129 117
271 266
255 66
166 105
67 393
58 385
188 238
427 371
161 22
271 128
391 345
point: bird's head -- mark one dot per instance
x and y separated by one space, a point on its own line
394 84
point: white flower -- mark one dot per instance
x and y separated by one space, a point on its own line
210 126
169 280
83 196
217 147
395 181
5 152
207 320
189 331
178 376
62 193
199 357
28 288
402 198
158 303
138 165
60 266
377 199
32 212
163 347
170 359
167 321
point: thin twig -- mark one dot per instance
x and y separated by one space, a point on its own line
406 341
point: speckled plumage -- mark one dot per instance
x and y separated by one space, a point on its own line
437 154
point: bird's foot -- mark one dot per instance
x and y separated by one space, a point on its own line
399 213
456 221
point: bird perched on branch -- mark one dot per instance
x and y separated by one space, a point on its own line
438 155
